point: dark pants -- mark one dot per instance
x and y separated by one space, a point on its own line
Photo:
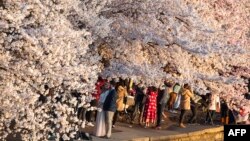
210 115
81 113
231 117
141 112
115 117
182 116
91 114
194 113
224 110
160 110
138 109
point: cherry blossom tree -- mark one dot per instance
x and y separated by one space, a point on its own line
204 43
43 56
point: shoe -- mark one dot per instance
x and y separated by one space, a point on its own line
113 126
83 125
175 112
90 124
182 125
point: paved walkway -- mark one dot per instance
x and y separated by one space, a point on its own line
123 131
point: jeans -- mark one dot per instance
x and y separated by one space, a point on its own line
182 116
116 114
210 115
160 110
138 108
194 112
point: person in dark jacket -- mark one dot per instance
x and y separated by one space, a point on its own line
224 112
109 107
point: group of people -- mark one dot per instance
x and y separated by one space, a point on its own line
150 103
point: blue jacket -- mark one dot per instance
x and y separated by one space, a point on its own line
110 101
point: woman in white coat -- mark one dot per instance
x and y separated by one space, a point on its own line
100 128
